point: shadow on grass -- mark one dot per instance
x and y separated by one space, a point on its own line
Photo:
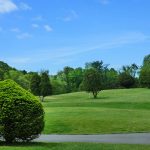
95 103
29 144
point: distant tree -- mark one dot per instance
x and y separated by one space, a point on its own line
146 60
145 72
35 84
111 79
66 72
45 85
18 77
101 68
4 68
98 65
134 69
58 86
145 76
92 81
75 78
126 80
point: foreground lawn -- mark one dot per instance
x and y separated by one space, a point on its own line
115 111
74 146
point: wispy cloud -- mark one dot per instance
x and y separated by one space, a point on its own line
7 6
104 2
17 30
66 54
115 42
34 25
24 6
38 18
24 36
70 16
48 28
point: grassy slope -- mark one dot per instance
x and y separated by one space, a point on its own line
115 111
74 146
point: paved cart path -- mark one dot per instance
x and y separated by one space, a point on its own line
135 138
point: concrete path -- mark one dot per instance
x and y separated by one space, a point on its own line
136 138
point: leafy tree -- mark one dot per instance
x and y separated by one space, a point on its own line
45 85
66 72
111 79
22 115
92 81
146 60
126 80
75 78
145 72
131 70
134 69
35 84
145 76
18 77
98 65
3 69
58 86
101 68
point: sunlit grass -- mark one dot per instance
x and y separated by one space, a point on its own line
115 111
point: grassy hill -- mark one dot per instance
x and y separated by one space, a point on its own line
115 111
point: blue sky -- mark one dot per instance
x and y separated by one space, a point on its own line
51 34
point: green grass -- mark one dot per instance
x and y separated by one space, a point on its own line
115 111
74 146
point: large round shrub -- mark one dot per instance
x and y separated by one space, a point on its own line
22 115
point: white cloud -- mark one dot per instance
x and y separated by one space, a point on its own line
17 30
104 2
7 6
25 6
35 25
114 42
48 28
24 36
38 18
71 16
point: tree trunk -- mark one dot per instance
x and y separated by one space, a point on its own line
95 95
42 98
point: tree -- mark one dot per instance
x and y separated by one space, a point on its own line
98 65
126 80
45 85
92 81
59 86
18 77
75 78
146 60
145 76
22 114
111 79
145 72
35 84
3 69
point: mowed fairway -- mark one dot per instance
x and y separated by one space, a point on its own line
115 111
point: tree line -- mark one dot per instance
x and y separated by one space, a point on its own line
94 77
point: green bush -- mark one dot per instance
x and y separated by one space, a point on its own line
22 115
